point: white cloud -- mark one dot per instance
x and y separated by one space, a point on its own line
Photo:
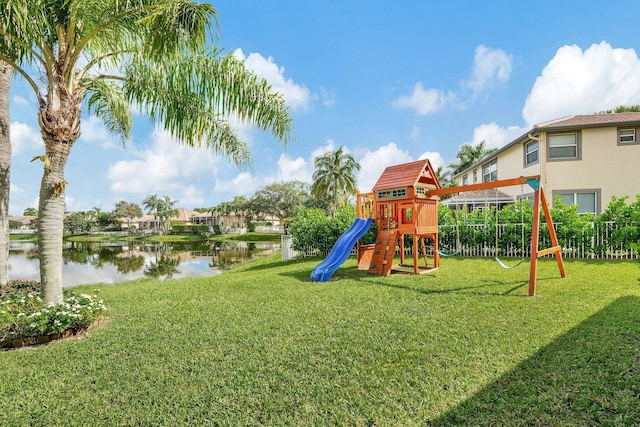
94 132
435 158
415 133
14 189
424 101
294 169
577 82
166 167
373 164
243 184
496 136
24 137
297 96
19 100
329 146
489 66
328 97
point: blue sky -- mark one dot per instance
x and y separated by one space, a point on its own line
391 81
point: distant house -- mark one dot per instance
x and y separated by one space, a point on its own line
27 222
149 222
583 159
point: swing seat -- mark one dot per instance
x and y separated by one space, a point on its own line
451 254
503 265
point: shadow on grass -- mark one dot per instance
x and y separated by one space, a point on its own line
588 376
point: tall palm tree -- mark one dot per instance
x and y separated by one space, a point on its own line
468 155
5 163
334 178
108 55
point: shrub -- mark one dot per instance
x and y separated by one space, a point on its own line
312 229
23 312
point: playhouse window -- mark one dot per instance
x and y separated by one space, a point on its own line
421 190
392 194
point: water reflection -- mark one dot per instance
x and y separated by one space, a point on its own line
91 262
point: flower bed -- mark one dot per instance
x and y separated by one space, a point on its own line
25 319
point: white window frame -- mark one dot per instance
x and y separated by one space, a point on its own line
490 171
528 153
628 136
577 144
465 179
475 176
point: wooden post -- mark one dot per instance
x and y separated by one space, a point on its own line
415 253
552 234
535 237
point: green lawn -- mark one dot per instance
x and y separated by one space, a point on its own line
261 345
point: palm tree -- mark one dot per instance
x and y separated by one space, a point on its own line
334 178
152 204
5 163
167 210
108 55
468 155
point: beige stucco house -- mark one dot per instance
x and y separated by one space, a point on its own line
583 159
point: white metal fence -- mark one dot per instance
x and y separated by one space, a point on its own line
604 241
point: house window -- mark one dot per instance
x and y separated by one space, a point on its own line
490 171
475 176
627 136
564 146
587 200
530 153
465 179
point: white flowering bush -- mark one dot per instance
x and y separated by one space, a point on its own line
24 314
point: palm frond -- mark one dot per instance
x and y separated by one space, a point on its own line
109 103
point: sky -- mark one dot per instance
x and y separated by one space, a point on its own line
391 82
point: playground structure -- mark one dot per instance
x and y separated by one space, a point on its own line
404 201
400 205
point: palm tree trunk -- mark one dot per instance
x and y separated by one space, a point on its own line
50 225
60 127
5 163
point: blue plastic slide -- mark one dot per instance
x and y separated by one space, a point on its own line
340 251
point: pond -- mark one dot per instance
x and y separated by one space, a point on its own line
112 262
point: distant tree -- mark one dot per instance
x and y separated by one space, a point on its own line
468 155
106 221
77 222
30 212
14 224
127 210
334 179
622 109
279 199
162 209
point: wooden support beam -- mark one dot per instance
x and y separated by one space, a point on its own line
535 235
552 232
483 185
548 251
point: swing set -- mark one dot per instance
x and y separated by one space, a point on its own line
539 201
404 203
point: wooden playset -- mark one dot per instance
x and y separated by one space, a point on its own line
404 201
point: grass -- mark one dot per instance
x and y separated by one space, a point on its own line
261 345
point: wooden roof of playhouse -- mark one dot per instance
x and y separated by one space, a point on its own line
414 174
